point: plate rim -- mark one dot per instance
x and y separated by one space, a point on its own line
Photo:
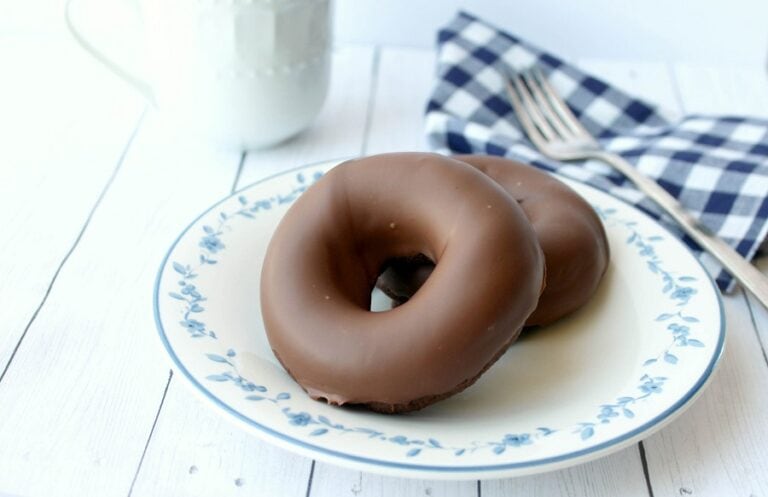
430 470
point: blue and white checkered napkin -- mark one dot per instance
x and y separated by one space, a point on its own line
717 167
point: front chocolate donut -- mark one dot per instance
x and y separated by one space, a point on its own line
328 250
569 232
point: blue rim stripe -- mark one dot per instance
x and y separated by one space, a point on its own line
423 467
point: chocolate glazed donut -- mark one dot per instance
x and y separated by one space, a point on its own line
570 233
329 249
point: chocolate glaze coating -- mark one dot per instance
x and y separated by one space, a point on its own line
329 249
570 233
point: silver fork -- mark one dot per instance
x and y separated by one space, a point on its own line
559 135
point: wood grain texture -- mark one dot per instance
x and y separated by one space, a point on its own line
60 141
617 474
403 84
80 397
195 451
332 481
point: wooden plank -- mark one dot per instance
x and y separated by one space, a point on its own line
332 481
81 395
403 86
60 141
193 450
720 445
617 474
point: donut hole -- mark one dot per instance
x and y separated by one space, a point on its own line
380 301
337 239
400 279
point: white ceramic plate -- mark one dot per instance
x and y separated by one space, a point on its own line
635 357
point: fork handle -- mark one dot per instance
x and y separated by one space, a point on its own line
744 272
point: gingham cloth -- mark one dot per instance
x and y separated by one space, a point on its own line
717 167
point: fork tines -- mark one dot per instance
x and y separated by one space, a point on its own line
541 111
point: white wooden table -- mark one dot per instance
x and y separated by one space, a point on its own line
91 196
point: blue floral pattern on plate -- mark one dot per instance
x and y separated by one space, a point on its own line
680 323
